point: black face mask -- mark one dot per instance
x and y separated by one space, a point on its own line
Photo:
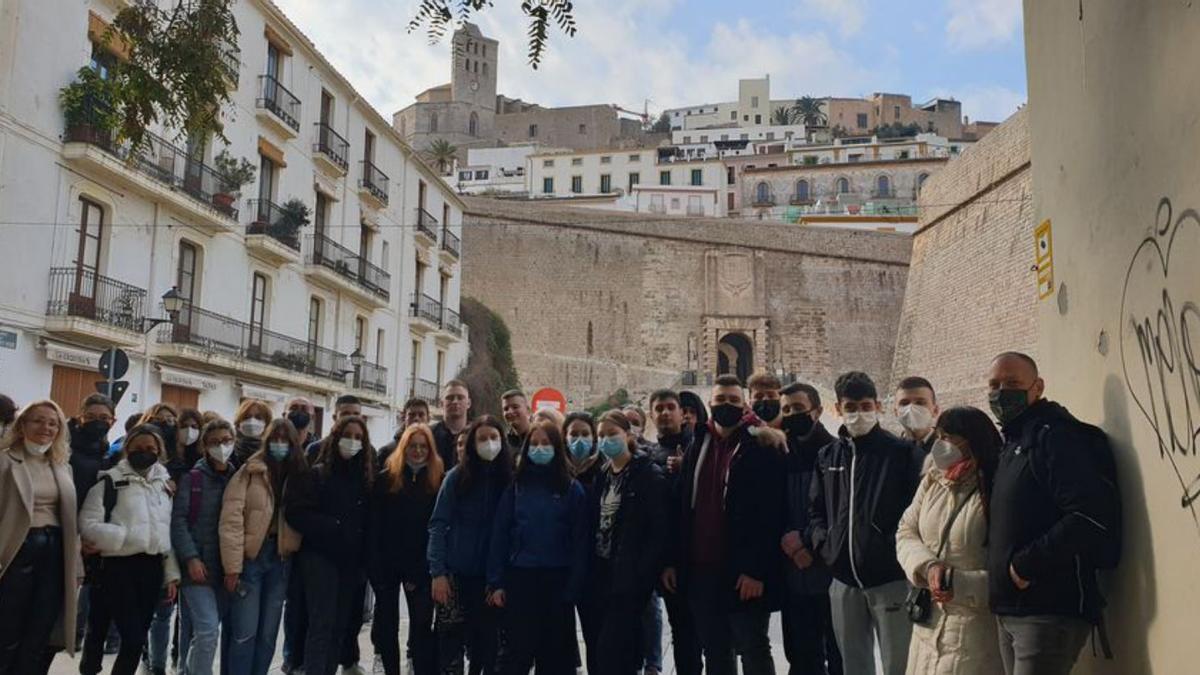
169 432
299 419
799 425
766 409
1008 404
140 461
90 432
727 414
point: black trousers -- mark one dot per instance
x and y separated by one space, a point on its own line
466 623
31 600
295 622
539 622
685 646
385 628
127 592
613 631
808 639
329 591
349 651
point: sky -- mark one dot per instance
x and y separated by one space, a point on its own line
676 52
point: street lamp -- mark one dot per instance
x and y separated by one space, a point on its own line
172 302
356 360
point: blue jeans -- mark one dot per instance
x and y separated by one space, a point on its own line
256 610
160 636
652 634
202 608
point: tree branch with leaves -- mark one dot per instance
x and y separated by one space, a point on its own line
437 16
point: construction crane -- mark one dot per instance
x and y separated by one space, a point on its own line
644 115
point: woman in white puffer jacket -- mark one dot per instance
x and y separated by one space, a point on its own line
127 519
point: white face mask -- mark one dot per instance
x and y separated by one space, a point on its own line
488 450
945 454
221 452
916 418
349 447
190 435
861 423
252 427
37 449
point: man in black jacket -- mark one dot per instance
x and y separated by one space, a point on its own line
456 408
1051 512
917 410
726 560
862 483
808 639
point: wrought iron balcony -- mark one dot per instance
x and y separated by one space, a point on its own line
276 98
372 377
374 181
426 223
78 292
425 307
231 62
423 389
331 144
270 219
240 340
374 279
451 243
451 322
349 265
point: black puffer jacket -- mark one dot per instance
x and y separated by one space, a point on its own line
639 528
1050 508
399 532
861 487
88 458
329 508
801 464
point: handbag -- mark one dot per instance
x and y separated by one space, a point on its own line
918 604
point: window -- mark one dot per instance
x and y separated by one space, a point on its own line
481 174
420 277
896 112
634 179
314 321
582 129
810 160
802 190
548 185
687 139
360 334
577 184
656 204
102 61
724 137
484 47
762 193
477 66
703 138
903 154
468 62
485 67
369 146
770 135
547 163
320 214
433 123
674 203
745 118
606 160
415 365
380 339
862 120
664 177
87 259
694 206
605 183
733 115
441 367
533 131
473 125
697 176
855 158
258 310
635 158
421 195
730 175
326 108
576 161
753 101
274 67
745 137
266 178
445 214
464 175
921 180
758 119
883 186
843 186
185 280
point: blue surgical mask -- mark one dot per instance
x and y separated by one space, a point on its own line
541 454
279 451
581 446
612 446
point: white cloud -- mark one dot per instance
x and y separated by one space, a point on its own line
977 24
847 15
990 103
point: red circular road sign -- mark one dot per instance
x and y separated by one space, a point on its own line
547 397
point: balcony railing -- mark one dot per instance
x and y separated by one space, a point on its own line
883 194
270 219
231 62
423 389
763 200
275 97
240 340
426 223
372 377
158 159
328 253
425 307
83 293
801 199
451 322
374 181
332 145
451 243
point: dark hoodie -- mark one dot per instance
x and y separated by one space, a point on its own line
89 456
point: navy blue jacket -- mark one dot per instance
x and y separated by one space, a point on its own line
538 527
801 464
461 526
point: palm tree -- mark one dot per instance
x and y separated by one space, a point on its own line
442 152
807 110
781 116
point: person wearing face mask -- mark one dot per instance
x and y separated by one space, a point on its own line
917 409
725 557
300 412
862 483
627 517
1054 519
579 430
401 506
695 413
190 448
940 544
127 517
765 397
195 516
250 421
808 639
538 556
637 423
460 531
39 548
258 545
164 416
329 508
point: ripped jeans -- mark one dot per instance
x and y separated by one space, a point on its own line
256 610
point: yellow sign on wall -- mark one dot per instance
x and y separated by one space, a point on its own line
1043 242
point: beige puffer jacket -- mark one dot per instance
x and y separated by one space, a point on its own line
960 637
246 517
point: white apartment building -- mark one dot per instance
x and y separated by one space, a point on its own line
874 149
753 108
731 140
494 170
609 171
363 299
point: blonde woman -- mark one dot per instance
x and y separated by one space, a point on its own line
39 545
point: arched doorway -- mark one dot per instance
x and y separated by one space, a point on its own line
735 355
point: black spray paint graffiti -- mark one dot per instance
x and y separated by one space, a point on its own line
1160 341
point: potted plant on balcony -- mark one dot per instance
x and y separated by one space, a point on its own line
294 215
234 174
90 108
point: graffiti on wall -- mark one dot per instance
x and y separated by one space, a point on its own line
1160 341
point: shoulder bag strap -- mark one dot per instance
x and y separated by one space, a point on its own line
946 530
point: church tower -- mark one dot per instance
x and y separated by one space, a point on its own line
473 75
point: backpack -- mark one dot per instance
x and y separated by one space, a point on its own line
110 496
195 496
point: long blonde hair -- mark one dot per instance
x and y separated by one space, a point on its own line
60 447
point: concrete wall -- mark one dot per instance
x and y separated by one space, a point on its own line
650 291
559 127
971 294
1113 95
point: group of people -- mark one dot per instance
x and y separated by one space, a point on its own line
952 547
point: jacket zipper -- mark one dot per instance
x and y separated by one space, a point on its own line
853 463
